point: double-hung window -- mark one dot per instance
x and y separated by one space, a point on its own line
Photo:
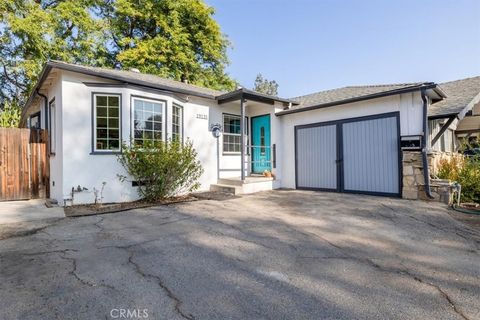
107 122
177 122
148 120
231 133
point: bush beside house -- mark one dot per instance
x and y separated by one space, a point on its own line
465 171
162 169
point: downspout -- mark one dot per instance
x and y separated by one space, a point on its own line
47 116
426 174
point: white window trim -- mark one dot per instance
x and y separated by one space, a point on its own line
176 105
132 115
234 134
94 121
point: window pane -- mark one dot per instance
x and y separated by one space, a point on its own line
138 105
102 111
113 101
113 112
147 121
101 133
113 134
113 144
102 101
101 122
101 144
113 123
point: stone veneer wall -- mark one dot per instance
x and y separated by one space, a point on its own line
413 181
412 174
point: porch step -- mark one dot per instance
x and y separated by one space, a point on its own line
248 180
233 189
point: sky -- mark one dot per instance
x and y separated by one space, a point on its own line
313 45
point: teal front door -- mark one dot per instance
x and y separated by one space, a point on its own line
261 152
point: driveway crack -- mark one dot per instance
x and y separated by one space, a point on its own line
73 272
177 302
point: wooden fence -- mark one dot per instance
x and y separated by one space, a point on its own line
24 164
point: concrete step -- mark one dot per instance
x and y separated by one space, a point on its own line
226 188
230 182
248 180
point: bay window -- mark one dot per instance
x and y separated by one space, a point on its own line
148 120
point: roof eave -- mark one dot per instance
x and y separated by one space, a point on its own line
427 85
43 75
79 69
243 93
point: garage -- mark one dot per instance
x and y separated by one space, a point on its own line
357 155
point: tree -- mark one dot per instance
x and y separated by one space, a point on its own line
10 116
177 39
263 85
31 32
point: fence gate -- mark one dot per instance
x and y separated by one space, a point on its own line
24 165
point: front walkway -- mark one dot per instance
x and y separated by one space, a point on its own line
271 255
26 211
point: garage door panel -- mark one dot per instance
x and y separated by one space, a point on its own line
370 156
316 157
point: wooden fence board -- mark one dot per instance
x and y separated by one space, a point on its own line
24 164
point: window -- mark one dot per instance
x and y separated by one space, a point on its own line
262 140
107 122
177 122
147 120
34 121
52 128
231 133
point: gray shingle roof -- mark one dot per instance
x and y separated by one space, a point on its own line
345 93
139 78
460 93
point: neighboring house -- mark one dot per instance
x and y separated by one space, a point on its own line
456 117
347 140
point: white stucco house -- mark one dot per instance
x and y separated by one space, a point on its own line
351 139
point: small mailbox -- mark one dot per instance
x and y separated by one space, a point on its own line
411 142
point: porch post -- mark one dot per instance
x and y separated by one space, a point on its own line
242 138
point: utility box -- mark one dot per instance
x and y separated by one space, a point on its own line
411 142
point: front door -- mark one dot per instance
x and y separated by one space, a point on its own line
261 149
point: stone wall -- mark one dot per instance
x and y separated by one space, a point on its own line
413 181
412 174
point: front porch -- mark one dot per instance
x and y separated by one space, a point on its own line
247 132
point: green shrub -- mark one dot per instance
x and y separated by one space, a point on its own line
162 169
449 168
466 172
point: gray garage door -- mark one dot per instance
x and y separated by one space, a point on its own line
316 157
353 155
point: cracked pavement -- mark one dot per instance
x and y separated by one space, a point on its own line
271 255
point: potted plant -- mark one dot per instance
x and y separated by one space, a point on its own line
267 174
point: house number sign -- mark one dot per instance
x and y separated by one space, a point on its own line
202 116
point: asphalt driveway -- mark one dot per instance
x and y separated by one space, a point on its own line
272 255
